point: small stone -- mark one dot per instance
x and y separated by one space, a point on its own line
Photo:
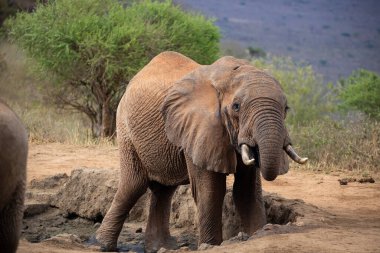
139 230
205 246
226 242
162 250
268 226
300 224
366 180
184 248
343 181
97 225
183 244
65 238
242 236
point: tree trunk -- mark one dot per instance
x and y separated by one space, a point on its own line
107 120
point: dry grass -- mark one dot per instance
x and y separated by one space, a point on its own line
347 146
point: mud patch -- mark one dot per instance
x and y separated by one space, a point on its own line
66 208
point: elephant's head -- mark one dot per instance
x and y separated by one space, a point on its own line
227 109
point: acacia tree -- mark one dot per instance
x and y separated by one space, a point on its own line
92 48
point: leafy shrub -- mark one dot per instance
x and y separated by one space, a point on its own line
308 97
361 91
91 49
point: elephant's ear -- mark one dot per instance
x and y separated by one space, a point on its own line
191 112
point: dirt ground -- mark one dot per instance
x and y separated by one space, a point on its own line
351 223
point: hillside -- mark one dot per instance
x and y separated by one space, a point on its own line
336 37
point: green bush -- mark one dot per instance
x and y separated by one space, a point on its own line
361 91
91 49
308 97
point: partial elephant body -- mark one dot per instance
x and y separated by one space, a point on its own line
179 122
13 155
139 118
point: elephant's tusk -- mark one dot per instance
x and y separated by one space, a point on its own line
292 154
245 155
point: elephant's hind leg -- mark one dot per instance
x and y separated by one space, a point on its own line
132 185
157 231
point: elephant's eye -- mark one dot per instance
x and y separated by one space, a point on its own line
287 108
236 107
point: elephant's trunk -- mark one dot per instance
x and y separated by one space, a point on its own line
270 150
270 134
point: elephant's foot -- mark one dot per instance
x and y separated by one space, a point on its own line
154 245
106 244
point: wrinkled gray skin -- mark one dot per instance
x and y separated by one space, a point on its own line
13 155
178 123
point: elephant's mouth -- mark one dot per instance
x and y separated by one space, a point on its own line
250 155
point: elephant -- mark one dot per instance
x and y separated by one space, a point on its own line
180 122
13 158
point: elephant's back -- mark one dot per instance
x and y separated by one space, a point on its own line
139 116
13 153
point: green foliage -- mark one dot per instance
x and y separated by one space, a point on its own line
308 98
361 91
93 48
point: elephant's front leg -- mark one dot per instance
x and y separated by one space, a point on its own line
247 194
208 189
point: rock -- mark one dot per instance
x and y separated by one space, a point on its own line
31 210
162 250
242 236
93 189
268 226
183 210
343 181
366 180
49 182
65 239
205 246
231 219
88 193
239 238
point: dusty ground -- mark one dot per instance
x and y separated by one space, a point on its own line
351 223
